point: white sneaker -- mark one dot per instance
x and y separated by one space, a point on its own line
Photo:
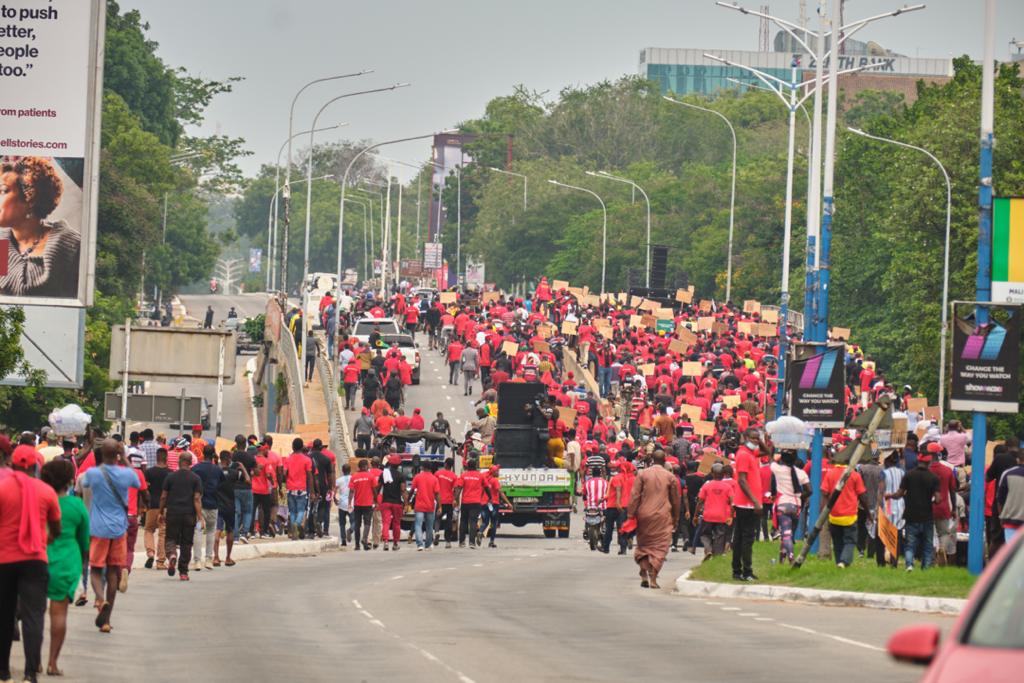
910 569
208 564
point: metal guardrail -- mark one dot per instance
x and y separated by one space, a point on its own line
288 357
341 442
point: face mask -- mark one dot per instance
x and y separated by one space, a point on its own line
750 445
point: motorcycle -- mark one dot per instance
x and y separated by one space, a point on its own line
594 520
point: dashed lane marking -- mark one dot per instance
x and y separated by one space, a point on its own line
378 622
730 609
764 619
356 604
747 614
366 614
840 639
396 578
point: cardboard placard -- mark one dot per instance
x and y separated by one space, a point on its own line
767 330
693 413
933 413
704 305
568 328
648 305
606 332
559 284
751 306
839 333
510 348
745 327
648 321
635 321
720 328
707 460
677 346
684 335
705 323
704 428
491 296
769 315
541 347
545 331
647 369
591 300
664 314
731 401
568 416
576 292
316 430
684 296
449 297
916 405
692 369
222 444
635 301
282 442
990 451
605 409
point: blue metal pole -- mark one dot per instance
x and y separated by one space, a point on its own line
983 287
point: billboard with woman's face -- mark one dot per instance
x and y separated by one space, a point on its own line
50 64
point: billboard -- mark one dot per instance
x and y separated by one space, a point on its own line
173 354
50 74
52 340
475 274
1008 249
432 255
255 260
814 384
986 361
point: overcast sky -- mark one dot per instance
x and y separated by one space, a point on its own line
458 54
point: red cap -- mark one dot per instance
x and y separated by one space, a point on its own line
494 469
197 428
394 459
934 447
25 456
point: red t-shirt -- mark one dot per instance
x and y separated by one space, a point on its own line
297 466
846 504
446 480
262 476
425 485
133 494
10 517
361 484
717 495
747 462
493 488
472 484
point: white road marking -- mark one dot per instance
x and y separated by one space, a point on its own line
424 571
730 609
396 578
708 602
841 639
378 622
747 614
477 565
764 619
535 555
366 614
356 604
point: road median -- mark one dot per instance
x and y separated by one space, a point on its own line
254 551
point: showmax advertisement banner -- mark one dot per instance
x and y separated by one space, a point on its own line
814 384
986 360
50 85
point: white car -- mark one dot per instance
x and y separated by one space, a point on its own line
364 327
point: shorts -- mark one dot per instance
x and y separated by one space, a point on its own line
946 531
225 519
107 552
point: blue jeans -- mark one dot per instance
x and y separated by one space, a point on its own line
604 380
297 502
423 528
1008 534
919 533
243 511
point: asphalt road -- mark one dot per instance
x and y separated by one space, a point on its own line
237 417
533 609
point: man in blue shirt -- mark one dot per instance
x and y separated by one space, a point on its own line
108 524
211 476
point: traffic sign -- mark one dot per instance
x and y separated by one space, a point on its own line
432 254
154 408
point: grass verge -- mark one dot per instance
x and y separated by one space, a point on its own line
863 576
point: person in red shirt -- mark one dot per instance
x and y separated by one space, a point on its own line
426 488
495 498
29 510
715 504
842 520
620 488
416 420
748 505
363 486
350 377
384 424
470 494
299 482
455 349
446 481
412 319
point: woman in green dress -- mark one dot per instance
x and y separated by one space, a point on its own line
66 554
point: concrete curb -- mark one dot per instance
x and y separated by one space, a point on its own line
909 603
255 551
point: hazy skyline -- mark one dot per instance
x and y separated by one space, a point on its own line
459 54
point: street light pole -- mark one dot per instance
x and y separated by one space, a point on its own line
272 229
609 176
288 168
945 267
604 227
518 175
732 199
